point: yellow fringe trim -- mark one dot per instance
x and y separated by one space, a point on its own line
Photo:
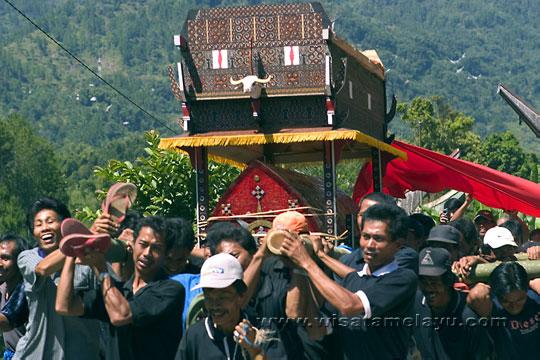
223 160
277 138
219 159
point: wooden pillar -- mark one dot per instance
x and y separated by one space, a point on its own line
329 175
350 222
376 169
200 158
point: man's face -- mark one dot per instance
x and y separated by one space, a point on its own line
233 248
176 260
47 229
483 225
413 241
514 301
377 247
366 204
436 292
505 252
8 262
149 251
223 306
466 248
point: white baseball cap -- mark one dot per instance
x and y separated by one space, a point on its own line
499 236
220 271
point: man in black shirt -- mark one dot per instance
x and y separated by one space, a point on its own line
405 256
381 292
145 312
447 335
226 333
512 304
277 289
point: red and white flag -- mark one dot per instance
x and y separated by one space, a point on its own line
291 55
220 59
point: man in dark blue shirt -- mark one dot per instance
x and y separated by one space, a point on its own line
381 292
405 256
448 335
511 303
145 312
227 332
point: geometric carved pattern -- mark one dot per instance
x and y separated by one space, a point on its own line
299 111
262 31
252 40
201 183
277 9
293 204
308 74
258 193
329 188
226 209
174 85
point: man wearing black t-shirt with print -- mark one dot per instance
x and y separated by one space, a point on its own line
512 304
145 312
372 302
449 336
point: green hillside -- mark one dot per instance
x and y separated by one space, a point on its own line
459 50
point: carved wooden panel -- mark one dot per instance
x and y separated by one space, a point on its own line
284 41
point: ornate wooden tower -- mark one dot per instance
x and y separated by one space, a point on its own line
273 83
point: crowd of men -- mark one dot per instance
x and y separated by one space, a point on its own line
403 292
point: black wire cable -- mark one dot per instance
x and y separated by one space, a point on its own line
88 68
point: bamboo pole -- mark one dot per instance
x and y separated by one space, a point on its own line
481 272
252 216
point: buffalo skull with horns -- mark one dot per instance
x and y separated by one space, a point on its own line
250 84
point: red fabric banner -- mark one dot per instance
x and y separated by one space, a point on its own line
432 172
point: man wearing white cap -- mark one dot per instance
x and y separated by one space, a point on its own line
225 333
501 242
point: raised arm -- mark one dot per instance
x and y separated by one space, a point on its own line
333 264
253 271
479 299
67 303
458 214
51 263
345 301
116 305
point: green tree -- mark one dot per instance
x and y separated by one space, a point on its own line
79 169
346 172
436 126
30 170
165 180
502 151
